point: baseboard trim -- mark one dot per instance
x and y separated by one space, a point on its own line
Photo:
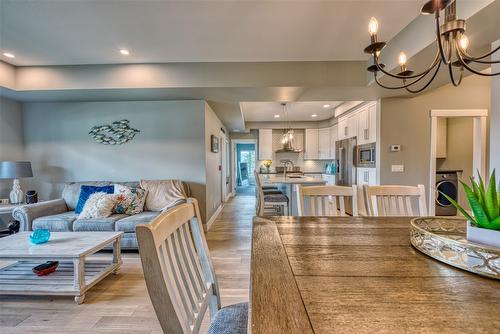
214 217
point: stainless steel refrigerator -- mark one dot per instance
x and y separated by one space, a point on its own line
346 170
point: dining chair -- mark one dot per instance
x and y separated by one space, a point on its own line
391 200
269 202
327 200
179 274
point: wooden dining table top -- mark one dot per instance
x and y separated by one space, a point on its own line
360 275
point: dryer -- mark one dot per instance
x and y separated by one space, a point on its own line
447 183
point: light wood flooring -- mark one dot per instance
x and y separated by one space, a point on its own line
120 304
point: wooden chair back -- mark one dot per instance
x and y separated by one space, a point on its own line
177 268
327 200
395 200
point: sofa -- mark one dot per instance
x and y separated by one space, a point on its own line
59 215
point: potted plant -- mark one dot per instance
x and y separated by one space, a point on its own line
483 226
267 164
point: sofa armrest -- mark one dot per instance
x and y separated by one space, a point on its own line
27 213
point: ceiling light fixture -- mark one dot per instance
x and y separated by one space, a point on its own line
314 115
9 55
276 116
452 44
124 52
326 106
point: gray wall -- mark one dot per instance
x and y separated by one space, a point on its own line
171 144
406 121
11 137
459 150
213 175
495 117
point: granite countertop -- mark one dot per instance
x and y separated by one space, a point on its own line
449 171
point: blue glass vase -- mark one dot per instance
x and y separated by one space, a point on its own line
40 236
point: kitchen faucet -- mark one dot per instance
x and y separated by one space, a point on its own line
285 163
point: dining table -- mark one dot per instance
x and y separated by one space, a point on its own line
291 182
359 275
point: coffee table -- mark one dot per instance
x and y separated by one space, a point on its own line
75 274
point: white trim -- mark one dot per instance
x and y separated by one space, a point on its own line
214 217
479 144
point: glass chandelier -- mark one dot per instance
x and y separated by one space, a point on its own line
452 44
287 136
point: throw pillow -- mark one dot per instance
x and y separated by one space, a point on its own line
98 205
86 191
129 200
163 194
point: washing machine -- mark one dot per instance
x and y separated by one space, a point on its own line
446 183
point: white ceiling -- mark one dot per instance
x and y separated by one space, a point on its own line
296 111
92 31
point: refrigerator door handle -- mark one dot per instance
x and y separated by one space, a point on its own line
341 164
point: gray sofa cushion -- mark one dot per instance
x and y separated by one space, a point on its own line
128 224
62 222
97 224
71 191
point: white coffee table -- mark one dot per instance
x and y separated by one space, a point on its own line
75 274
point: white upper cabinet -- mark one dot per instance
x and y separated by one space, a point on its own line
265 144
333 139
311 147
348 126
367 124
324 143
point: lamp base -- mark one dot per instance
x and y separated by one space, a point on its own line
16 194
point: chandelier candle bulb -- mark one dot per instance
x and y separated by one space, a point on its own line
373 29
464 43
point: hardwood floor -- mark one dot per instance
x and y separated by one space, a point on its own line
120 303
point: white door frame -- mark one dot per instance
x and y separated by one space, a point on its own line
479 144
223 148
234 159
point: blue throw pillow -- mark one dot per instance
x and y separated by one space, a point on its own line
86 191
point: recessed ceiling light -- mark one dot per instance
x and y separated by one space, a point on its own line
326 106
314 115
124 52
9 55
276 116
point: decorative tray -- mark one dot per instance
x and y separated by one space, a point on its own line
444 239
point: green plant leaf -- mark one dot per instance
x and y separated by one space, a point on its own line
459 207
477 190
477 209
481 184
490 201
495 225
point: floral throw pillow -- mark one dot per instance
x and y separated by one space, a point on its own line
129 200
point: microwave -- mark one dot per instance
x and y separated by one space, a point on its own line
365 155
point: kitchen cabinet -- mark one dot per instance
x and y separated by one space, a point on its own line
333 139
324 143
265 144
311 147
348 126
367 125
366 176
329 178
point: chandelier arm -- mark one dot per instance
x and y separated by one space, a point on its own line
399 87
469 57
483 61
452 77
427 84
470 69
396 76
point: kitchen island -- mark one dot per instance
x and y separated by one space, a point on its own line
290 182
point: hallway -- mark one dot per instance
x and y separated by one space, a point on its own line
120 303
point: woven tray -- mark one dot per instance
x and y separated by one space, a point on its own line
444 239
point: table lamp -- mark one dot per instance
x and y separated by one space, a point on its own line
15 170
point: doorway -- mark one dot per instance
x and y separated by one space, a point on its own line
478 154
244 154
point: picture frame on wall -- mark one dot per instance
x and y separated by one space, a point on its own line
214 143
